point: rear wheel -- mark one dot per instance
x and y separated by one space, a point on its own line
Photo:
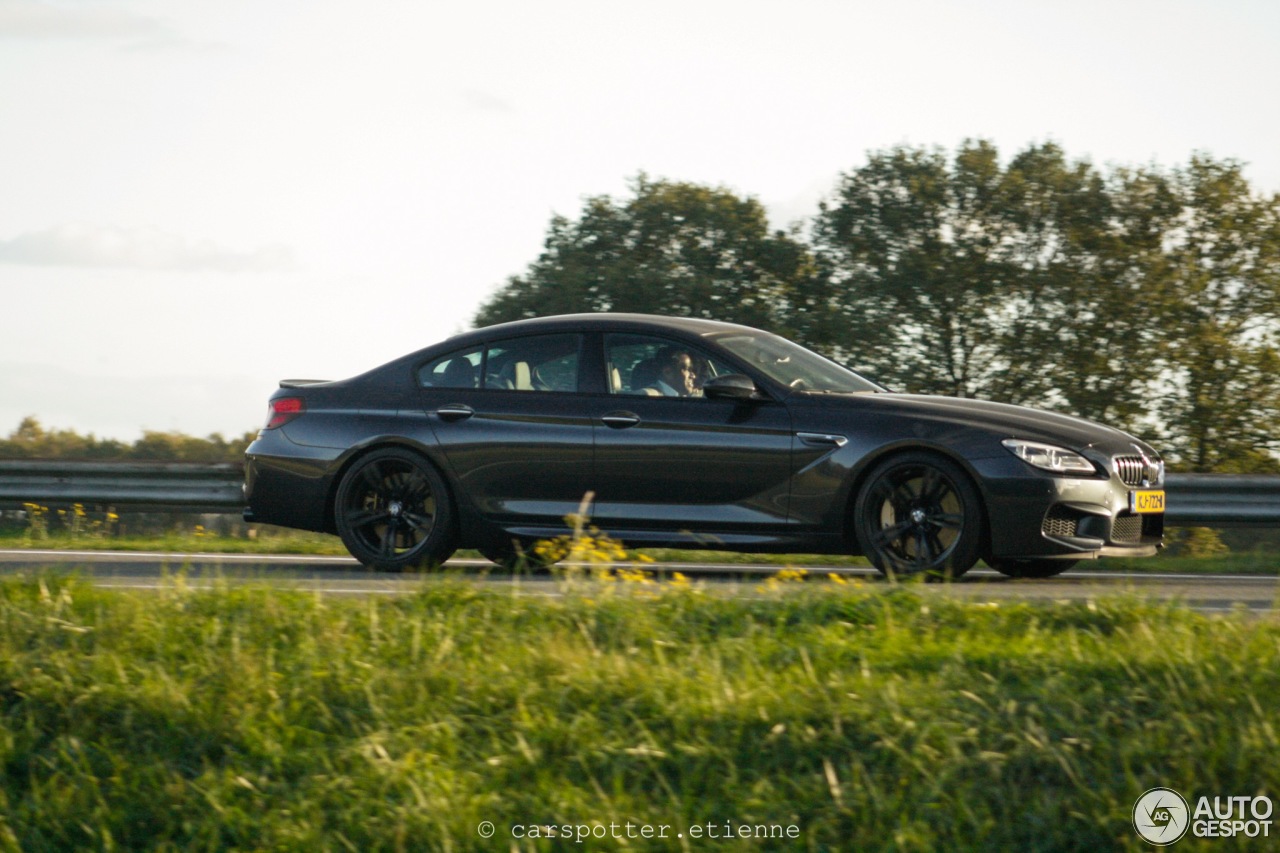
919 514
393 512
1031 568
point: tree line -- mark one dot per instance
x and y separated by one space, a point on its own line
1144 297
31 440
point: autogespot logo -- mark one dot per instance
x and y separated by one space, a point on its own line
1161 816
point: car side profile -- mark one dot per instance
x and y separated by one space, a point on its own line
689 433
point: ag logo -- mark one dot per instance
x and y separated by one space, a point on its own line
1161 816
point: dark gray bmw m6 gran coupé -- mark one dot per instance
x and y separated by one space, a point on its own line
690 433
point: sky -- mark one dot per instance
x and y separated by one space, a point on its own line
199 199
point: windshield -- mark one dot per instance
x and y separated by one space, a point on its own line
793 365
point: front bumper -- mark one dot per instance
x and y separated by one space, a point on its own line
1038 515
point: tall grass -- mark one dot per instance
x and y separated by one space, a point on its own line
255 718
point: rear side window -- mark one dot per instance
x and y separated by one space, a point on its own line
537 363
455 370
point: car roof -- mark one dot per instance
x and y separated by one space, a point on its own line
602 320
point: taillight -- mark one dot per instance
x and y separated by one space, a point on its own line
284 409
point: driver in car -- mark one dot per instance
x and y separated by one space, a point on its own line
677 377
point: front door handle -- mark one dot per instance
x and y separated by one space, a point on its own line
455 412
620 420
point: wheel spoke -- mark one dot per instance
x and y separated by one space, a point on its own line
387 547
416 490
936 545
923 555
395 486
374 478
364 518
934 487
948 520
421 522
903 494
885 536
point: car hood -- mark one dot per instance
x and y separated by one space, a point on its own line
1008 420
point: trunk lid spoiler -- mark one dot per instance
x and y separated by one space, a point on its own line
302 383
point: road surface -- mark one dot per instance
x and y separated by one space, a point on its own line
343 576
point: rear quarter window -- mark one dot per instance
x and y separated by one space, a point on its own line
455 370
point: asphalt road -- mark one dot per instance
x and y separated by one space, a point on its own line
343 576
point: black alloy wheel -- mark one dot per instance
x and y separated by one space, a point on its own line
919 514
1031 568
393 512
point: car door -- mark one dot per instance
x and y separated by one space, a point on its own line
513 427
685 463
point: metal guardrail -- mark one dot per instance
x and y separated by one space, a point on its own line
136 486
1223 500
1209 500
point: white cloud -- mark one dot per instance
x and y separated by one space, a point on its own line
480 100
114 247
43 20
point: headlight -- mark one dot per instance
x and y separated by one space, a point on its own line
1059 460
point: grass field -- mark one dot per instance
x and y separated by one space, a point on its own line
274 541
851 717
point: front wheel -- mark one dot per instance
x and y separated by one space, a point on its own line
919 514
393 512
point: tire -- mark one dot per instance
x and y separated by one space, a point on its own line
1031 568
919 514
393 512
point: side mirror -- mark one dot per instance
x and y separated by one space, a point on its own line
731 386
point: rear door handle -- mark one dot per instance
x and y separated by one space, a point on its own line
620 420
455 412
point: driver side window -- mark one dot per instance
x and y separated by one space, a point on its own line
641 365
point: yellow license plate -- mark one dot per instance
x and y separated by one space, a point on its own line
1145 503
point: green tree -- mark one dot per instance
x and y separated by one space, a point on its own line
672 248
1079 331
32 441
176 447
1140 298
912 248
1221 274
